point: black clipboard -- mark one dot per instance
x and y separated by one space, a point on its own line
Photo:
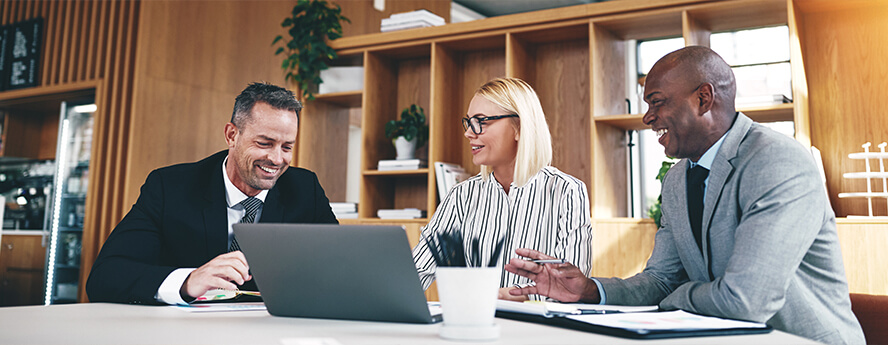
563 322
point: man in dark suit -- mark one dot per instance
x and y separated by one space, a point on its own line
746 232
184 213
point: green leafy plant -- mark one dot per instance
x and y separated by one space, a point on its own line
306 53
655 211
411 125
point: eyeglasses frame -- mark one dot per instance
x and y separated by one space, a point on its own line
467 121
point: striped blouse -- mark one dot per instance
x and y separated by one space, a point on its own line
550 214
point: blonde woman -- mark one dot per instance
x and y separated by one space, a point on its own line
518 196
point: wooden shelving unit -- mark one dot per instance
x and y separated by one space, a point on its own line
576 63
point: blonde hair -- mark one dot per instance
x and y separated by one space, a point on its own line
534 141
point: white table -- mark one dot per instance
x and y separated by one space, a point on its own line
101 323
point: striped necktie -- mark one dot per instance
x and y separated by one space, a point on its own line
251 205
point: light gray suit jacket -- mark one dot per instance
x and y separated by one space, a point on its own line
769 242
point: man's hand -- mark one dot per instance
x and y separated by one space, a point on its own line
563 282
223 272
504 294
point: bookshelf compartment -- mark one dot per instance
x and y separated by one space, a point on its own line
393 191
458 72
558 70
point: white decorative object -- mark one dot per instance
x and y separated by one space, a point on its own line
468 301
341 79
404 148
869 175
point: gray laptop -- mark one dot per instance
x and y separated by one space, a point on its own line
352 272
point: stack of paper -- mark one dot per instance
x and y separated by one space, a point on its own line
345 210
402 164
407 213
447 176
410 20
763 100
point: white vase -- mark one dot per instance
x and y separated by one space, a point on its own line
404 148
468 301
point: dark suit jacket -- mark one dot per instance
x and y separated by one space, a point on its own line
180 220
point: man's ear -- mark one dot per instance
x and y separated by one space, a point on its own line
705 95
230 133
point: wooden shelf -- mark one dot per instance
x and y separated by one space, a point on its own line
624 121
349 99
769 113
422 171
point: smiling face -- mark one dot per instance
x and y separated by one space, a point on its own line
674 113
260 152
497 145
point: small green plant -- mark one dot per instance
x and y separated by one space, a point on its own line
306 53
655 211
411 125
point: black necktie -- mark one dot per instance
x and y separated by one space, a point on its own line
251 205
696 176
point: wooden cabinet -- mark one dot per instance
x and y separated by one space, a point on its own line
22 259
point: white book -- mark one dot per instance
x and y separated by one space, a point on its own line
407 213
404 27
424 14
401 162
448 175
396 22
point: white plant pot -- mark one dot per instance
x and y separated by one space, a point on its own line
404 148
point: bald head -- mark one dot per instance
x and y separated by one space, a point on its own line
689 67
691 96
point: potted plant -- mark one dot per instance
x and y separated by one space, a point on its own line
654 211
408 133
306 53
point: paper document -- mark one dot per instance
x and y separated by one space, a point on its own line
678 320
221 307
550 309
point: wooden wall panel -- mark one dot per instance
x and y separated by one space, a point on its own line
863 250
847 79
90 43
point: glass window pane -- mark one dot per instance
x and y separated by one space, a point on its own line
763 80
755 46
652 50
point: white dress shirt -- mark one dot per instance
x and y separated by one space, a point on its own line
550 213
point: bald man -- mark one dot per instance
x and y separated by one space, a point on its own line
747 231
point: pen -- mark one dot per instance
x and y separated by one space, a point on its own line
550 261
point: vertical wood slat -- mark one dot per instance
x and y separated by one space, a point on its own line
74 49
67 35
88 46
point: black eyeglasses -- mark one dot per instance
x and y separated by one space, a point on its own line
476 121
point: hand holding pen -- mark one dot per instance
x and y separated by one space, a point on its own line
564 282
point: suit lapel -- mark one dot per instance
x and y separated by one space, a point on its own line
215 211
680 223
272 209
722 169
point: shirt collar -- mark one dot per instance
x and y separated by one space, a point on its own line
233 195
709 156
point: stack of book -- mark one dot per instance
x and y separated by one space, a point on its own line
447 176
410 20
345 210
402 164
407 213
